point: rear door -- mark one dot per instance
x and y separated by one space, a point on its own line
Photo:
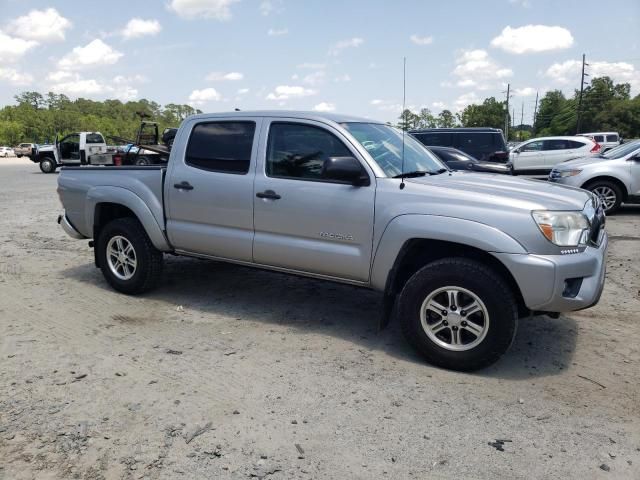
209 187
557 151
303 222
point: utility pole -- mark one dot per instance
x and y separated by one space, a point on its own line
579 122
506 120
521 122
535 113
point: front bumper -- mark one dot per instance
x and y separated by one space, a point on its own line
68 228
560 283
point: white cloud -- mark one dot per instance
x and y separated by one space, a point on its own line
337 48
568 73
94 54
418 40
243 91
524 92
11 49
74 85
324 107
221 76
343 78
200 97
311 66
522 3
533 39
315 78
440 105
477 68
285 92
272 32
466 99
267 7
40 25
138 27
15 77
213 9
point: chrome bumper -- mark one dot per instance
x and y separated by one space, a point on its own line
560 283
64 222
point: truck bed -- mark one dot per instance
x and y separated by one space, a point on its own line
81 188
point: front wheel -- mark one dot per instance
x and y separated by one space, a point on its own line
47 165
458 314
128 259
609 193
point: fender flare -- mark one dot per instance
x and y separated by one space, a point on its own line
407 227
126 198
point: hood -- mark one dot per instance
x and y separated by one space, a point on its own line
502 191
581 162
45 148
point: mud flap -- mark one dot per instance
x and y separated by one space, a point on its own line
388 304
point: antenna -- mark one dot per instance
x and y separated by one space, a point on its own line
404 116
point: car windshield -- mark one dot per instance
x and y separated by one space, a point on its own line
384 144
622 150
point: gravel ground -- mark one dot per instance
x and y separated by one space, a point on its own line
227 372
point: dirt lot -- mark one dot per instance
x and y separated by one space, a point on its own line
226 372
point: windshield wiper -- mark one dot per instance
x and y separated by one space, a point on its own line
420 173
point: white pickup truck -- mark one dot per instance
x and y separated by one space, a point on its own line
74 149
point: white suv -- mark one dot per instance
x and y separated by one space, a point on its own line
607 140
538 156
613 176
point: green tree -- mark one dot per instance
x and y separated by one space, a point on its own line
491 113
446 119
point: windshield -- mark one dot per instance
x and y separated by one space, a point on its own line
384 144
622 150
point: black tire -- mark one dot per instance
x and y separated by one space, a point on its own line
483 282
19 156
148 269
607 186
142 162
47 165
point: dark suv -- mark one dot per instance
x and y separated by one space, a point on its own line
485 144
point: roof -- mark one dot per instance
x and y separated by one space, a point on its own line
332 117
457 129
558 137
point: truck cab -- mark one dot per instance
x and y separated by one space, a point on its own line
75 149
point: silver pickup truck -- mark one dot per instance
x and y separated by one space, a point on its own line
458 256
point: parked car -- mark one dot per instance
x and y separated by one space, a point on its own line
457 258
484 144
458 160
25 150
538 156
614 176
6 152
606 140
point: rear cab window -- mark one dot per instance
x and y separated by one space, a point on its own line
94 138
223 146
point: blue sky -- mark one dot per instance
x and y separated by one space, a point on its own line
333 56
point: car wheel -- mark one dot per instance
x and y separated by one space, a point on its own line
127 258
47 165
19 156
609 193
142 161
458 314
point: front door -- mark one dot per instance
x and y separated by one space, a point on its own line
530 158
209 188
69 148
303 222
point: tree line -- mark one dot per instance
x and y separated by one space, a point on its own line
605 106
39 118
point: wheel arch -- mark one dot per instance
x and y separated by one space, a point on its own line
608 178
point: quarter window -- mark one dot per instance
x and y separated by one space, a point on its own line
612 138
299 151
221 146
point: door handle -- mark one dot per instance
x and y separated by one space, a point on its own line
270 194
183 186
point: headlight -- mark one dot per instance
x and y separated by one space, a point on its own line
567 173
565 229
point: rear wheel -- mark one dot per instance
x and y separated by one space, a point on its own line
458 314
609 193
142 161
128 259
47 165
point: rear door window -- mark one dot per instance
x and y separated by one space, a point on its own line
435 139
555 145
221 146
479 142
598 138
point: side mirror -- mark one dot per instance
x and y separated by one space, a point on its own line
345 169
